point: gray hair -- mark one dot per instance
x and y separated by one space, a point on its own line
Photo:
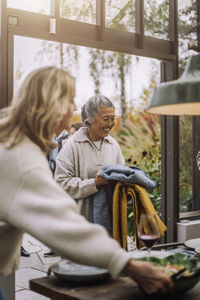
91 108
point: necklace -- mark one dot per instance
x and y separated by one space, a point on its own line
97 144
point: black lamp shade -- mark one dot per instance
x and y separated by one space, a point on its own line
181 96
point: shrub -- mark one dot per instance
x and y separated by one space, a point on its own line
140 144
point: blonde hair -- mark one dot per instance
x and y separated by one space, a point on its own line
38 108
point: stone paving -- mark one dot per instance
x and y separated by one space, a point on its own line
36 266
32 267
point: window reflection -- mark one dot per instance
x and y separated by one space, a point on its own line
156 18
79 10
120 14
187 35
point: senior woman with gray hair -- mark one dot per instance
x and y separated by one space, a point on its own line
79 163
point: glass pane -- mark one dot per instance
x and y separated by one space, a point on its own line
185 183
31 53
37 6
156 18
118 76
120 14
187 35
79 10
187 25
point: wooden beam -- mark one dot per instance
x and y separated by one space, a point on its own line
100 18
83 34
139 8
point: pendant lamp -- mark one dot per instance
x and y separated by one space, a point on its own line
181 96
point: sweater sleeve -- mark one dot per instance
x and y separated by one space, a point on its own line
66 176
45 211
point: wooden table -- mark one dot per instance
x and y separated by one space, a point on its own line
118 289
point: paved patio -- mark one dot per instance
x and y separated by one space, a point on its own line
32 267
36 266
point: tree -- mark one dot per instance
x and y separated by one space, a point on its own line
156 18
115 63
65 55
83 10
60 54
120 15
187 30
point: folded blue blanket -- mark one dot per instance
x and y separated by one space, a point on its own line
128 174
100 210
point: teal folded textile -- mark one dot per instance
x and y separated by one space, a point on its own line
128 174
100 207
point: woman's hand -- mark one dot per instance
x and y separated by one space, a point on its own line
99 180
149 277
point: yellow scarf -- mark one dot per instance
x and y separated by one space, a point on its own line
141 205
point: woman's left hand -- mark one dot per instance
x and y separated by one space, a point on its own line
99 180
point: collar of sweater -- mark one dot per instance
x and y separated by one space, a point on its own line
80 136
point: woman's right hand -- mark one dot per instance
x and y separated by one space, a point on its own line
150 278
99 180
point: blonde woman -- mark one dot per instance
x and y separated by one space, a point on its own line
31 201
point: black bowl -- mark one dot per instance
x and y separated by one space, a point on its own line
182 283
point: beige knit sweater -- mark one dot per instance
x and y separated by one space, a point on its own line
78 162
